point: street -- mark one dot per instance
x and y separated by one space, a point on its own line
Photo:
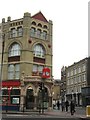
56 114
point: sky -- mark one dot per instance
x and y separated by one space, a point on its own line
70 26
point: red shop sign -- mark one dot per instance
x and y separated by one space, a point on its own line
45 73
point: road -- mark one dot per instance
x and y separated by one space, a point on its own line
55 114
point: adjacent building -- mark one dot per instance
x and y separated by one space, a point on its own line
76 80
27 50
63 84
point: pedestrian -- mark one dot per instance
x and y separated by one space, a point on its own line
72 107
63 106
58 105
66 105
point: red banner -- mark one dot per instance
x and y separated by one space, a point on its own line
10 83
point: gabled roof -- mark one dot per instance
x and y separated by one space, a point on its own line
39 16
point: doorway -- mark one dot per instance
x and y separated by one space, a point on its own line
29 98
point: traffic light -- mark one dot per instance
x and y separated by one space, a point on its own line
40 86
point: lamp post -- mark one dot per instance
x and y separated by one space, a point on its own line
3 44
72 95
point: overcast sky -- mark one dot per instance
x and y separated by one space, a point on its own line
70 26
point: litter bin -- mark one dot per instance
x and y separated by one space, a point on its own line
88 111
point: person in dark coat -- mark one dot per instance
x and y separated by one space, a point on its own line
58 105
63 106
66 105
72 107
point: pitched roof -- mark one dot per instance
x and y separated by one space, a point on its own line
39 16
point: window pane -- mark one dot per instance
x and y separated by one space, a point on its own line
39 51
34 68
10 71
40 68
32 32
13 32
20 31
14 50
17 71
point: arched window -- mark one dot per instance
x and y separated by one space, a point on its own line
38 33
14 50
39 50
13 33
33 23
32 31
20 31
45 35
45 26
39 25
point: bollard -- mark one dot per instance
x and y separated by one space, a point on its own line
88 111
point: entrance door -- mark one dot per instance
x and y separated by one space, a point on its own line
29 98
43 98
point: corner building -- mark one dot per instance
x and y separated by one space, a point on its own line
27 50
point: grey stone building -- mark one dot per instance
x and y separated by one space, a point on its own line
76 80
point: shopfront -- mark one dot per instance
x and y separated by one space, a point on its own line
10 95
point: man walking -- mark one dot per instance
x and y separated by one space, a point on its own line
72 107
66 105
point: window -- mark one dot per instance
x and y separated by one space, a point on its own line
13 71
14 50
32 32
33 23
45 26
79 70
38 33
37 69
39 51
83 67
45 35
39 25
13 33
20 31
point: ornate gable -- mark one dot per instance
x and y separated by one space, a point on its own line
39 16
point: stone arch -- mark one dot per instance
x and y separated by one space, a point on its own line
12 42
36 43
33 87
49 91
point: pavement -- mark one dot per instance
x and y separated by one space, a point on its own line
80 113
